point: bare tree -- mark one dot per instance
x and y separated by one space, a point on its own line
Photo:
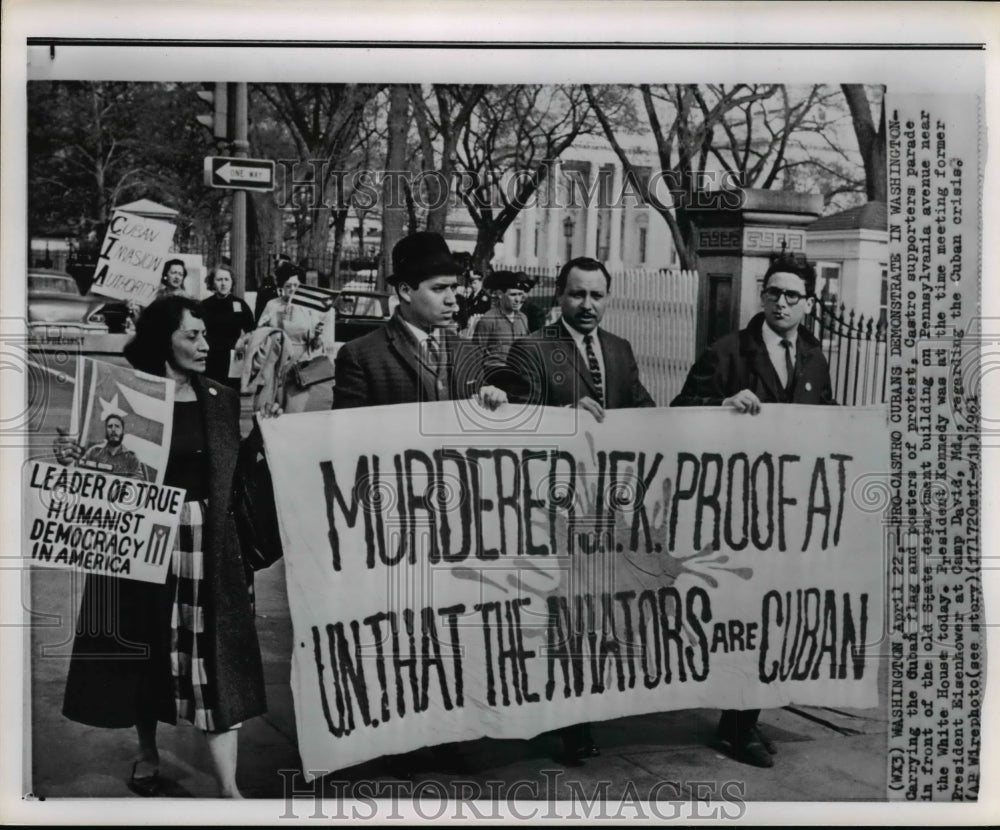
871 139
743 135
507 152
323 123
441 116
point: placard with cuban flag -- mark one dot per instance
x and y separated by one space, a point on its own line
313 297
142 403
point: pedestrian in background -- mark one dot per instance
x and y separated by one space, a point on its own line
772 360
187 648
504 323
174 278
306 331
227 318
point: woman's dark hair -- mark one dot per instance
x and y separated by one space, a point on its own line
584 263
285 271
170 263
210 279
149 349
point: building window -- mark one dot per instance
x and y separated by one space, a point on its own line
642 245
517 243
534 248
828 284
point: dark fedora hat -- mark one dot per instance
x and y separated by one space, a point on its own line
421 256
505 280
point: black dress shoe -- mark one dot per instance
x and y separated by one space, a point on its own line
147 786
768 744
753 752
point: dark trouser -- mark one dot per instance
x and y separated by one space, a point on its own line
576 736
738 725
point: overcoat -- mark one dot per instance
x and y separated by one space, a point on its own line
121 653
385 367
546 368
740 361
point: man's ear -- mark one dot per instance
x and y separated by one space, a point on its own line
404 291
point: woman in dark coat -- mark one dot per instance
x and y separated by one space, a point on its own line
146 653
227 318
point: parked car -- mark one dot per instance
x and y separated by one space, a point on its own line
361 311
54 301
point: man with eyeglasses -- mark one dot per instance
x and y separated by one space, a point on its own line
772 360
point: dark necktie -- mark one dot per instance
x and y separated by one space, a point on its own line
595 367
436 361
789 365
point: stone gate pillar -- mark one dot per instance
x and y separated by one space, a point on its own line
734 243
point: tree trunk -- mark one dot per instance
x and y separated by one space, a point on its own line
871 141
339 223
486 242
394 217
319 237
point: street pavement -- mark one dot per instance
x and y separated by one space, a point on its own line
824 754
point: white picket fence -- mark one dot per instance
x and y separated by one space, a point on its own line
656 311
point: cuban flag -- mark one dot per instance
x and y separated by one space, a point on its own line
144 402
314 297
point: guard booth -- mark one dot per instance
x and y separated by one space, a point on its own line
734 245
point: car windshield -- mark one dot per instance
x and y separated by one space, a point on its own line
56 285
349 304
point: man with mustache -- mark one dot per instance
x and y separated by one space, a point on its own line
574 362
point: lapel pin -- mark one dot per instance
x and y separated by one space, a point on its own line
809 387
212 392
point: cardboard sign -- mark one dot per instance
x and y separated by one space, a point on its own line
130 266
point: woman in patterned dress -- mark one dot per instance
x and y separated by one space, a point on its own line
146 653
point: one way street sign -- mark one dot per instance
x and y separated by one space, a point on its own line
239 174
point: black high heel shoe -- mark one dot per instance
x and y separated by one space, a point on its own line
148 786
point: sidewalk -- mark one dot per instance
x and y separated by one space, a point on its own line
823 754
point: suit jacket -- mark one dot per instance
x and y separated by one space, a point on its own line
386 367
127 656
494 335
740 361
546 368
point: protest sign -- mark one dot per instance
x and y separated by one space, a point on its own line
506 583
132 255
86 520
140 403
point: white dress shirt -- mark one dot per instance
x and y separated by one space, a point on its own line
596 343
775 351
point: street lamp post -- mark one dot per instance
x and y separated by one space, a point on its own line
568 225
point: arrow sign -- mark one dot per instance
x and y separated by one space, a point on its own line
239 174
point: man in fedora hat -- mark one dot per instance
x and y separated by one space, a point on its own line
504 322
414 358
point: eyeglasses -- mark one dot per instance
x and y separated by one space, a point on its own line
775 294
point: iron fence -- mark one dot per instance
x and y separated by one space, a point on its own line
856 349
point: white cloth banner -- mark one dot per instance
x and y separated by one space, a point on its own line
451 579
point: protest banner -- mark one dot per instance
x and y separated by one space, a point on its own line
93 522
132 255
446 586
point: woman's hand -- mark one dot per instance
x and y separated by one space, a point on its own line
270 410
241 346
